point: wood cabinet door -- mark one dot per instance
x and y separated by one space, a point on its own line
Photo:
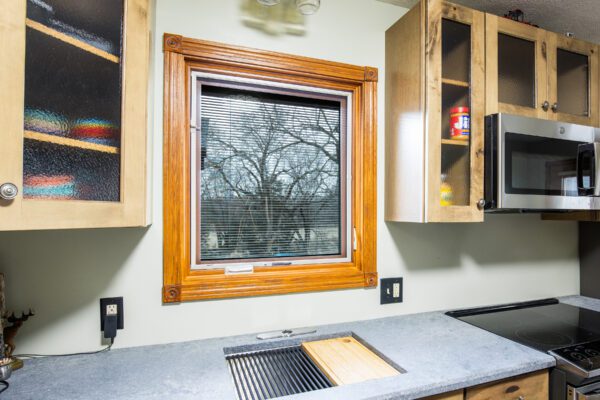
529 387
573 79
516 68
74 99
454 61
458 395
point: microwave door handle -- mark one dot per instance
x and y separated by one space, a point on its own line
582 150
591 151
596 171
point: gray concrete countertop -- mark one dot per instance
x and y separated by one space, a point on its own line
439 354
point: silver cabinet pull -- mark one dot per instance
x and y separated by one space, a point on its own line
545 105
8 191
481 204
555 107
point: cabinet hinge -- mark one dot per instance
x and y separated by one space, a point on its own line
354 239
544 49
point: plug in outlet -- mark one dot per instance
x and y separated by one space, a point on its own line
112 309
111 316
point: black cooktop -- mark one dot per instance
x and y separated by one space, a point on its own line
585 356
543 325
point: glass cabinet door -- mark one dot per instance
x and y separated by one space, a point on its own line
573 80
74 76
72 110
515 68
456 117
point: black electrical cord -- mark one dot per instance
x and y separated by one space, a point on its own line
5 386
107 348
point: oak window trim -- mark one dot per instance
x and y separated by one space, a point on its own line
182 283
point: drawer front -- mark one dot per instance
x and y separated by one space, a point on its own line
458 395
525 387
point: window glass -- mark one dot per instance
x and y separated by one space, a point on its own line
270 175
537 165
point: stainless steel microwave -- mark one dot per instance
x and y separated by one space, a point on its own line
539 165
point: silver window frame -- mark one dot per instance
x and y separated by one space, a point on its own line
195 111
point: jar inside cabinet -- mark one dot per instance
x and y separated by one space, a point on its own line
434 124
456 116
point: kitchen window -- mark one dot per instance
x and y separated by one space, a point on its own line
269 173
269 167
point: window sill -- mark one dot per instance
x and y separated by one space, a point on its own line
203 285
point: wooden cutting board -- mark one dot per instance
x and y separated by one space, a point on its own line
345 360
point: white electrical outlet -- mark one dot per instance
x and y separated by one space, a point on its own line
396 289
111 309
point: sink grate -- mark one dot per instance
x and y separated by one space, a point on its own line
267 374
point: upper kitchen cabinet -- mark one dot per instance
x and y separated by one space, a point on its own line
434 114
536 73
573 79
73 79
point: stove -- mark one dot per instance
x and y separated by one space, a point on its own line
570 334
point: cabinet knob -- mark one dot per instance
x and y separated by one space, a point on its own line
8 191
545 105
555 107
481 204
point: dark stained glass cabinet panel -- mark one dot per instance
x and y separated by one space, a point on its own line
456 84
573 79
516 68
72 92
573 82
75 74
516 80
96 23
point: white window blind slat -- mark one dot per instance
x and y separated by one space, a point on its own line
269 176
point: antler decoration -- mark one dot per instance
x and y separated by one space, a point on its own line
11 331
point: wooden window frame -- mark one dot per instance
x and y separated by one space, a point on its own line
181 283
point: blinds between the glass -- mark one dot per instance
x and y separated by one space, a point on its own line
269 176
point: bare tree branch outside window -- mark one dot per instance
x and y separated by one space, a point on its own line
270 175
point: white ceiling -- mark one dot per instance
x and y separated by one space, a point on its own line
582 17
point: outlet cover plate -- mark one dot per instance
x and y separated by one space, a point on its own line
387 290
118 301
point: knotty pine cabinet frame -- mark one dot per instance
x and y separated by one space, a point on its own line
558 42
182 56
547 45
531 386
131 210
417 116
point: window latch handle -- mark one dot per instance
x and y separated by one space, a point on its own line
239 269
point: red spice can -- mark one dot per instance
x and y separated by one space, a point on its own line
460 123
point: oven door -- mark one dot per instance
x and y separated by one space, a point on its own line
538 165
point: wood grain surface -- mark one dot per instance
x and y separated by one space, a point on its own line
345 360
